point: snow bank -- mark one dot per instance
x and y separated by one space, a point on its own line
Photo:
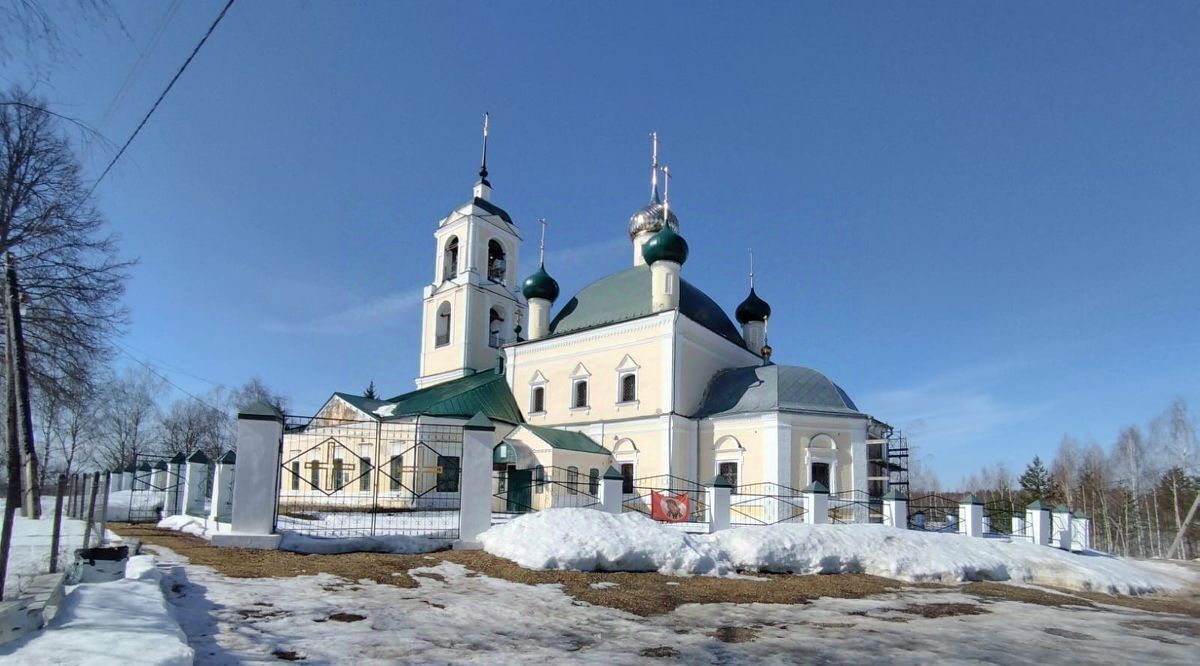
124 622
590 540
393 543
125 503
186 524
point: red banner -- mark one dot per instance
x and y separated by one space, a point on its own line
670 508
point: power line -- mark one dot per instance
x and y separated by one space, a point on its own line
166 379
158 101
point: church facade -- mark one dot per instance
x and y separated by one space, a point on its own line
640 371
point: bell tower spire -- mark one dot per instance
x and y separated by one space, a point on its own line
654 167
483 189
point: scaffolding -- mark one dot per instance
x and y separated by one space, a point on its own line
887 459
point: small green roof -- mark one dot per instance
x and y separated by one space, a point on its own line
567 440
627 295
483 392
666 245
540 285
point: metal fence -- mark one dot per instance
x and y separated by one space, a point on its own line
517 491
367 478
1005 519
765 504
933 513
682 502
854 506
155 481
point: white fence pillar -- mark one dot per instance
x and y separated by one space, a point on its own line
117 479
611 495
971 509
127 478
1061 530
256 479
719 492
1081 531
221 508
158 477
176 469
1037 520
816 504
895 509
195 484
475 486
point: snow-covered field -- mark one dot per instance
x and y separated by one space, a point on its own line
138 505
428 524
458 616
29 555
589 540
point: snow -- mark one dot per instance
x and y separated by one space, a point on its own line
590 540
301 543
186 524
29 555
124 504
124 622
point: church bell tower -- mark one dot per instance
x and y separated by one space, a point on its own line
473 306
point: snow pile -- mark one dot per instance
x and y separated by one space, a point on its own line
123 622
125 503
590 540
186 524
393 543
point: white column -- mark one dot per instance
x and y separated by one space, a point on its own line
221 508
176 471
158 477
1037 519
539 318
1020 527
895 509
256 480
117 479
664 287
195 483
971 510
816 504
719 492
475 486
141 477
610 491
1061 532
1081 531
127 478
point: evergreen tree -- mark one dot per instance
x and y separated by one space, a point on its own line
370 391
1035 482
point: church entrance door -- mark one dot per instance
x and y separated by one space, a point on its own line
520 483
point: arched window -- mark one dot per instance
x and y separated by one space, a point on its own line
539 479
628 387
450 259
443 324
496 264
593 482
580 396
537 401
495 328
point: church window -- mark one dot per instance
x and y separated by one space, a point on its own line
820 474
496 263
539 479
447 474
314 475
443 324
537 401
729 470
627 478
338 471
295 475
450 259
573 480
593 482
629 387
394 467
364 479
495 328
579 397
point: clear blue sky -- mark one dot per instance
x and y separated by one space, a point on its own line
982 220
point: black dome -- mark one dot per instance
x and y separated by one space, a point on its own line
752 309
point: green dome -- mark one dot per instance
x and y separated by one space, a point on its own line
666 245
752 309
540 285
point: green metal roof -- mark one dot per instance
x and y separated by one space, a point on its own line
367 405
769 388
627 295
567 439
484 392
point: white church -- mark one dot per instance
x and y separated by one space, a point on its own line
640 371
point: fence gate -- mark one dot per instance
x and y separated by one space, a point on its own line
516 491
154 480
933 513
343 478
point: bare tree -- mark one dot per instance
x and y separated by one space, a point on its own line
1175 435
69 270
190 425
128 417
256 390
1064 469
31 23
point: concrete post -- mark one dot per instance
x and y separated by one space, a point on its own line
117 480
816 503
1081 531
176 472
1061 532
971 510
1037 518
221 509
611 497
719 492
895 509
256 479
127 478
475 486
1019 527
195 483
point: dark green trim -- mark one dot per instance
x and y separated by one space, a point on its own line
719 481
817 488
198 457
479 422
971 499
613 474
1038 506
895 495
228 458
260 417
179 459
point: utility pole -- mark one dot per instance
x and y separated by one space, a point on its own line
18 377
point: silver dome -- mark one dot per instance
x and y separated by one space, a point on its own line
650 218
